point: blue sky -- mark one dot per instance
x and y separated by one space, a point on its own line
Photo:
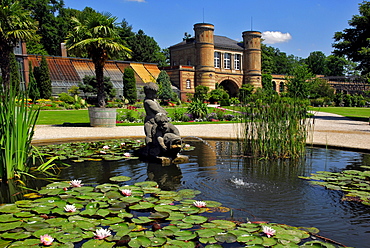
296 27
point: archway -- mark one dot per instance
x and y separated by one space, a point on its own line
231 87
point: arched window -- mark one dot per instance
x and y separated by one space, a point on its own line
274 85
188 84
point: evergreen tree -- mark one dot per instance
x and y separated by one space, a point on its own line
33 91
14 72
129 85
42 76
165 91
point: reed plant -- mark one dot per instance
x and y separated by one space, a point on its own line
17 123
274 127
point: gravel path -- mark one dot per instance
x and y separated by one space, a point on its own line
328 130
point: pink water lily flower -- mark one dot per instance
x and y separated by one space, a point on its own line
46 239
105 147
70 208
199 204
102 233
126 154
126 192
75 183
268 231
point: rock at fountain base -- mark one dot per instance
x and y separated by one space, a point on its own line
166 161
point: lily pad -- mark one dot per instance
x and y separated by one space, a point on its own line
120 179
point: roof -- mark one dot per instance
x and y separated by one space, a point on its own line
221 42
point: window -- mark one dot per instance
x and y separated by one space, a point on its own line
188 84
281 89
217 59
237 62
227 58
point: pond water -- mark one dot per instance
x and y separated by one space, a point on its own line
255 190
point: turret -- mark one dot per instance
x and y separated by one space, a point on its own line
252 58
204 44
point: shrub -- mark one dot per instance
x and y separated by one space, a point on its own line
66 98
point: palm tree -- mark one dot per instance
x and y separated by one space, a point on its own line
15 25
96 34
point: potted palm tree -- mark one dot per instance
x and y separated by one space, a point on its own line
95 35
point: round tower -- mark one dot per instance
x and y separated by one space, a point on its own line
204 46
252 58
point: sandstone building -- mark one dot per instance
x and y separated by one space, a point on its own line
208 59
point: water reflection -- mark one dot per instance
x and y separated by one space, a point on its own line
257 190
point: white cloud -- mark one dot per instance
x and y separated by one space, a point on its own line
272 37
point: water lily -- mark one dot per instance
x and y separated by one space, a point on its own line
126 192
46 239
187 145
268 231
103 152
199 204
126 154
102 233
76 183
70 208
105 147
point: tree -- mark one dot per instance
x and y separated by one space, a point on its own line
33 90
15 25
201 93
299 82
145 49
43 80
354 42
90 85
336 66
316 63
321 89
96 34
54 22
165 92
129 85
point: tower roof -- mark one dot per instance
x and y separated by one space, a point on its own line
221 42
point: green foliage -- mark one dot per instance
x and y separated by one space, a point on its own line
145 49
129 85
321 88
105 206
74 90
353 42
219 95
16 132
33 90
273 128
66 98
245 92
201 93
43 80
90 86
16 24
276 62
165 92
299 82
198 109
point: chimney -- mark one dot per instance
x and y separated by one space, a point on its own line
63 49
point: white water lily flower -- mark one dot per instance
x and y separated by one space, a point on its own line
126 192
76 183
105 147
70 208
126 154
268 231
102 233
199 204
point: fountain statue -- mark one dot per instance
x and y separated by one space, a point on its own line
162 138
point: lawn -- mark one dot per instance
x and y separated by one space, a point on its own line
359 114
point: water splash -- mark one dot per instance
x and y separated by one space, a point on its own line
204 141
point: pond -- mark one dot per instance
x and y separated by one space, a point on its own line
255 190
